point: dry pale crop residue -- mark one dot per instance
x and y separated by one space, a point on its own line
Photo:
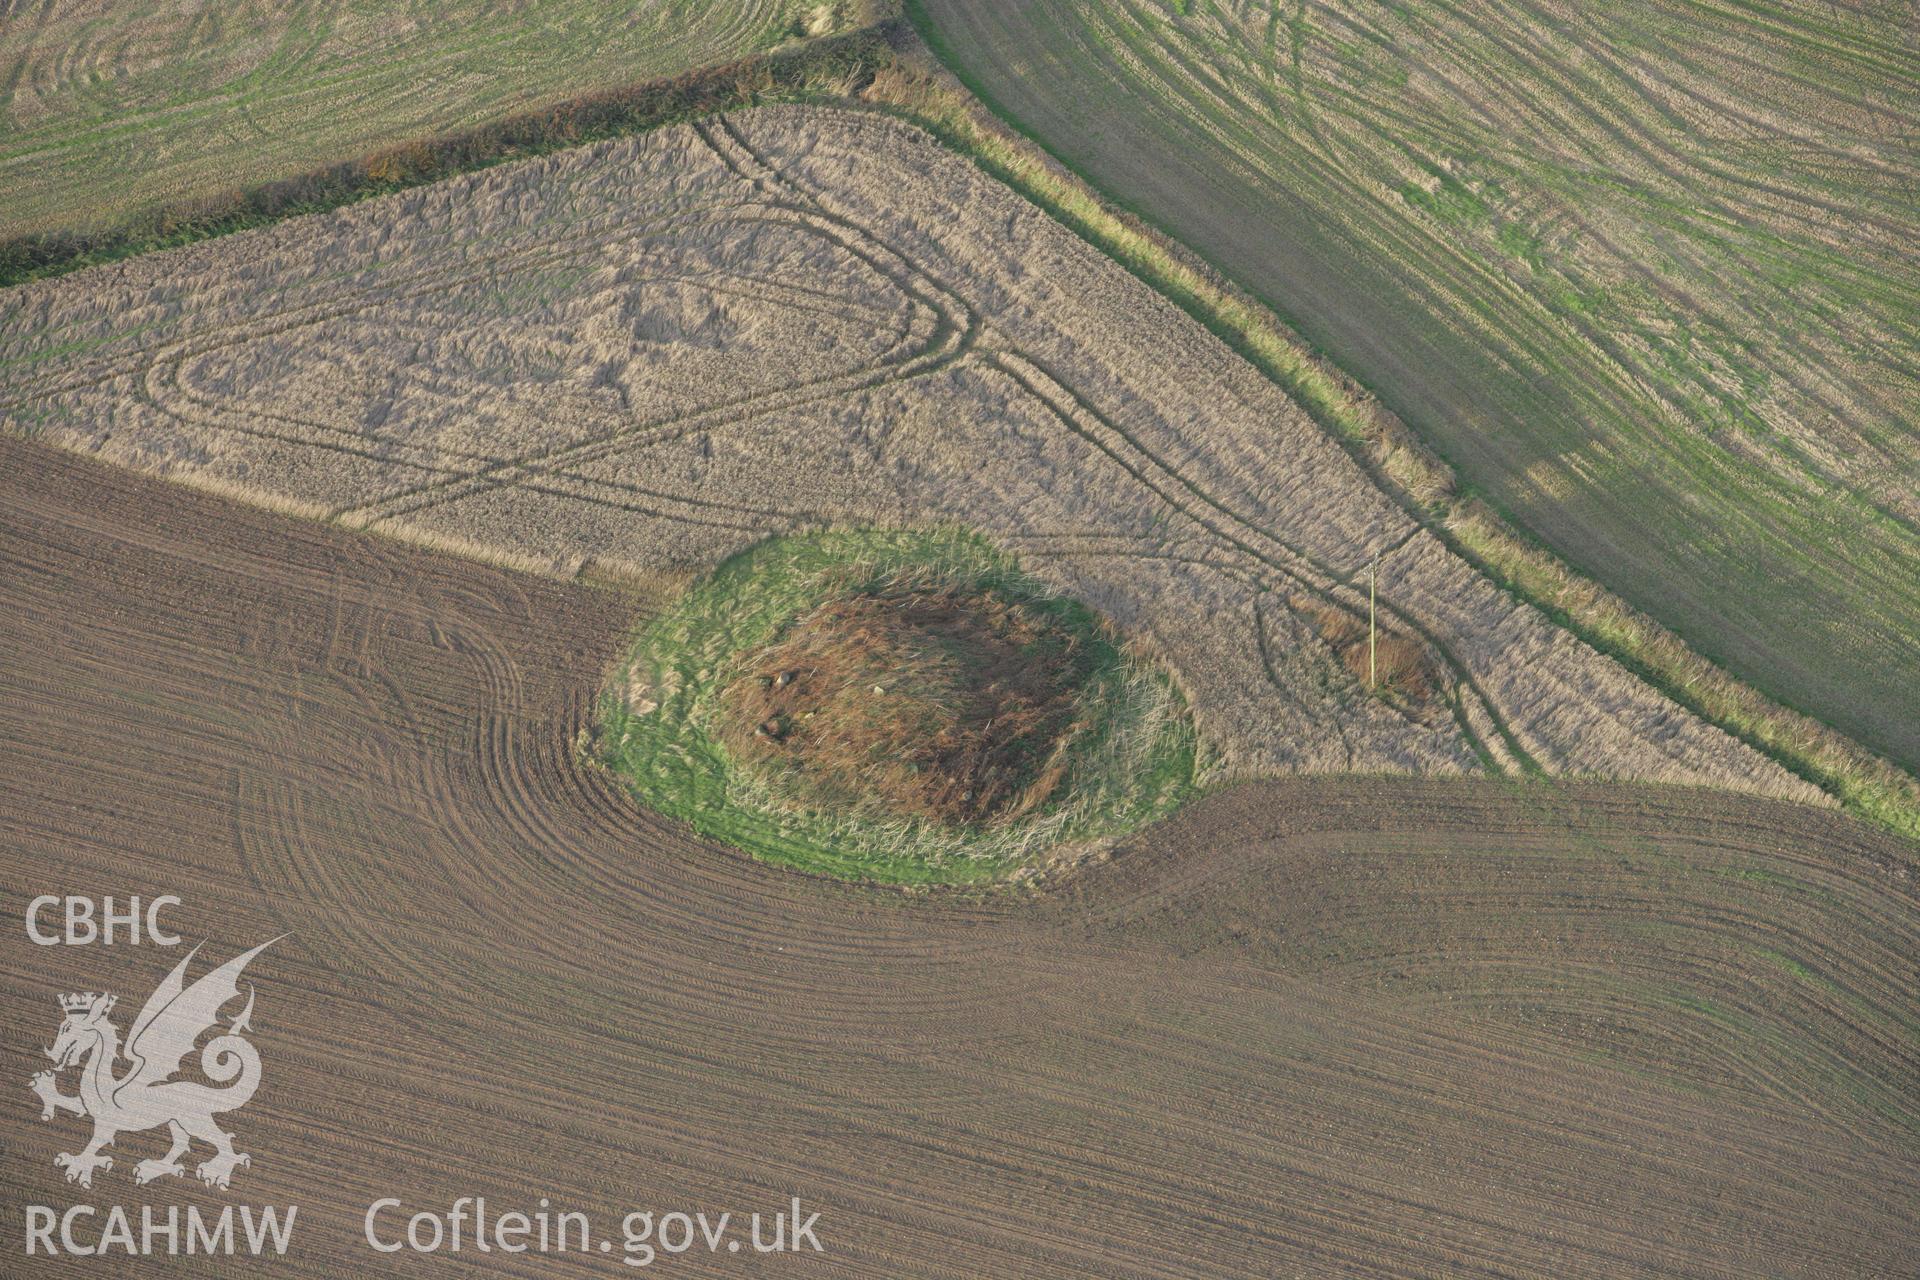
660 350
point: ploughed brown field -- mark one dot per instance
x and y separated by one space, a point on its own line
1315 1027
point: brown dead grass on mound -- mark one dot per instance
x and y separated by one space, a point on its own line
913 699
1400 668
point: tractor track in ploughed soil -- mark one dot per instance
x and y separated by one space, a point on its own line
1328 1027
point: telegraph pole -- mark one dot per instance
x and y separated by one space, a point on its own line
1373 577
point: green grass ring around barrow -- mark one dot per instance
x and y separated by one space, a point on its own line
1128 759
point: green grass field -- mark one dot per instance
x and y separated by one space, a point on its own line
107 109
1643 273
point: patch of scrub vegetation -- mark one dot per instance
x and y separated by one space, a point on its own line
903 707
1390 664
1445 197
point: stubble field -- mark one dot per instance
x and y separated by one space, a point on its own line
105 109
1306 1027
643 356
1642 272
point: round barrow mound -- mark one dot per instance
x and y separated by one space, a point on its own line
918 697
894 706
